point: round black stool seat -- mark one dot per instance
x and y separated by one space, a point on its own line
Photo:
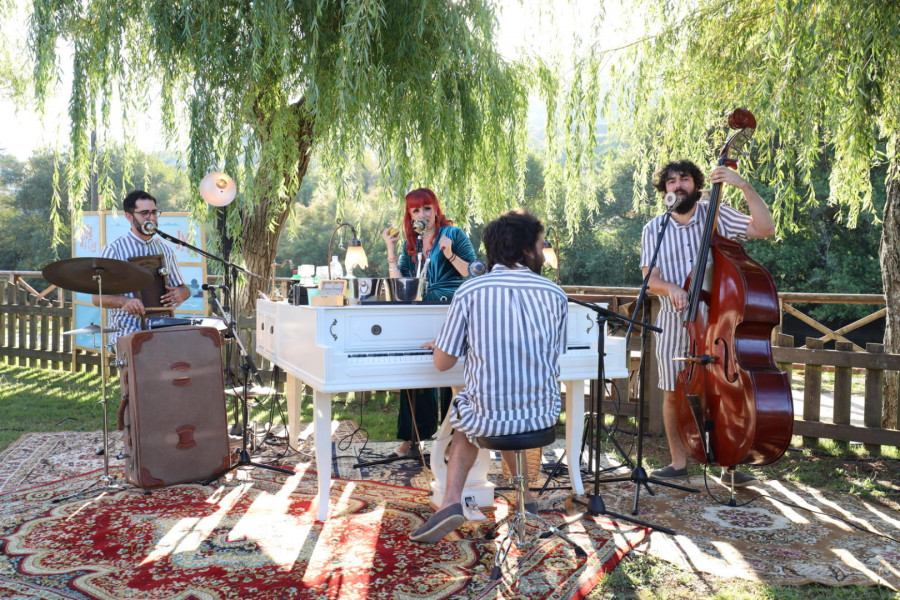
519 441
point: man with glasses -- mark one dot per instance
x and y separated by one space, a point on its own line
126 309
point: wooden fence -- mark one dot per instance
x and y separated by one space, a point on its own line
811 360
32 324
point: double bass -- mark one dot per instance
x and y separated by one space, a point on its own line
733 405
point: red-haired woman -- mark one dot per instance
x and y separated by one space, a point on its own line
446 254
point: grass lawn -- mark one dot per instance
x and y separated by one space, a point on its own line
33 400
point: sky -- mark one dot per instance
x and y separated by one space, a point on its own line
24 130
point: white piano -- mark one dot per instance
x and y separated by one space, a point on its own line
378 347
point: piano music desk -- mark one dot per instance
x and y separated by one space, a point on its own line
339 349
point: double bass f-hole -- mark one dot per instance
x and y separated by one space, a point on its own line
726 361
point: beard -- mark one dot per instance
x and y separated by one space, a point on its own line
688 202
535 261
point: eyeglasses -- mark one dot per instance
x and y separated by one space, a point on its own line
146 214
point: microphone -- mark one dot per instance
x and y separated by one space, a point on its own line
148 227
476 268
420 225
210 286
672 200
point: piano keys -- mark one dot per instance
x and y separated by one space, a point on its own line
378 347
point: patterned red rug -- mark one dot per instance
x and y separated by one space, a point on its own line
255 537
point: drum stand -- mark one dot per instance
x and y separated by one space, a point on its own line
247 366
107 482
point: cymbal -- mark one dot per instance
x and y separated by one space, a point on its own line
77 274
90 329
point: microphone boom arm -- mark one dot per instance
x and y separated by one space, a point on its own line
175 240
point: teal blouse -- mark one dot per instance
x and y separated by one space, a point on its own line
442 277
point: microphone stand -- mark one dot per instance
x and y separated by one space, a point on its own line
247 365
639 474
595 504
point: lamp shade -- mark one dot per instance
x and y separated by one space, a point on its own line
356 257
218 189
550 256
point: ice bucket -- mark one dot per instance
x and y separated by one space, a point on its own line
405 289
368 289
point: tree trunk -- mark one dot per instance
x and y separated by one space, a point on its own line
261 228
890 276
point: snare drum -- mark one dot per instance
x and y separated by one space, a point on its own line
217 323
157 322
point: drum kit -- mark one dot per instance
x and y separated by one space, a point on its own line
97 275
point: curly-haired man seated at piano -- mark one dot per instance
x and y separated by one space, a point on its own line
510 325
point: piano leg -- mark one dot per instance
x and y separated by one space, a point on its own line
322 425
294 393
575 431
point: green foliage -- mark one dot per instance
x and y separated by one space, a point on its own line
28 192
263 85
818 75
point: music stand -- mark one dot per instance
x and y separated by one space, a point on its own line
85 275
246 367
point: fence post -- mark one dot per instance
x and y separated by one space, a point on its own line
843 382
874 391
784 340
812 390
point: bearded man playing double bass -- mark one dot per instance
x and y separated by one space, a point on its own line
677 252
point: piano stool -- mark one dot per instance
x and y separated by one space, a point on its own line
515 534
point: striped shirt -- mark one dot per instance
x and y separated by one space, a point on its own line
130 246
676 257
510 325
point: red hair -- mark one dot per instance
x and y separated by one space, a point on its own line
417 199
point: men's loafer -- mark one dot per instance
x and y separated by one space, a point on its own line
440 524
669 473
740 478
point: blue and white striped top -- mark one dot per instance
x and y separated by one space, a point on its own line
130 246
681 242
510 325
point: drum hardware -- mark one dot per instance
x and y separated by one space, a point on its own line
86 275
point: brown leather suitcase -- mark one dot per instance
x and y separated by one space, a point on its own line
173 405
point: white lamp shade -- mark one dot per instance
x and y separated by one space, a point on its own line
550 257
218 189
356 257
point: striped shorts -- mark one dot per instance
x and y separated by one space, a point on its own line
671 343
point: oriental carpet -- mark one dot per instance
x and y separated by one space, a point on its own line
253 535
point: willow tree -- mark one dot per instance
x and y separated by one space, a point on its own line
822 78
264 85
